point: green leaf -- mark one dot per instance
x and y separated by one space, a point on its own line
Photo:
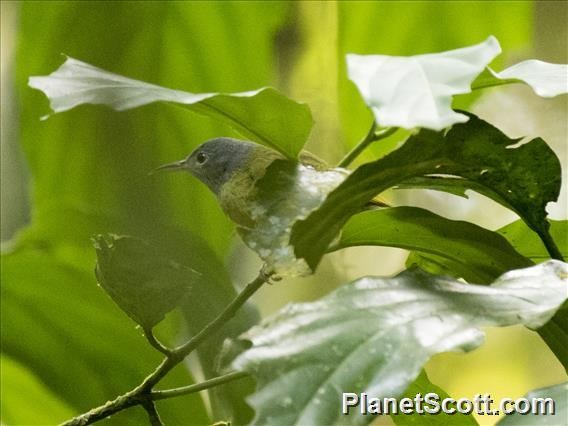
473 251
435 265
524 178
459 187
145 284
451 185
60 327
264 115
558 394
519 235
375 334
528 244
422 385
555 334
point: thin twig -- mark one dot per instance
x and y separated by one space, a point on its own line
186 390
372 136
122 402
143 392
182 351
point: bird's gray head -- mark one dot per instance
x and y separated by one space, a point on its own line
214 162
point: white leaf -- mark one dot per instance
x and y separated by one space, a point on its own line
263 115
375 334
547 80
416 91
77 83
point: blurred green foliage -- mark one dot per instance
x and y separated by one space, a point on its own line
90 175
104 157
65 346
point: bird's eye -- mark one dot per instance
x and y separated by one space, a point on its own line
201 158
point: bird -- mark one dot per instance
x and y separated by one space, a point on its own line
264 193
231 169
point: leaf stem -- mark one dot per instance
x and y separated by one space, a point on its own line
143 392
492 82
198 387
372 136
550 244
149 334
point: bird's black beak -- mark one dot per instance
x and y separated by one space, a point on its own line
171 167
